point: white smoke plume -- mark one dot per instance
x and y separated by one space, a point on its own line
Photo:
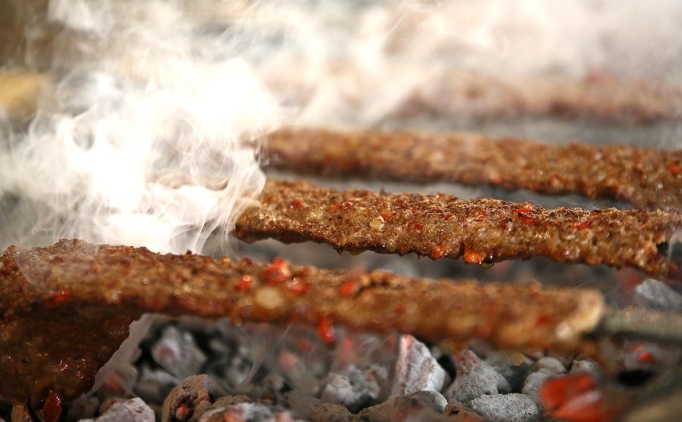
146 132
148 126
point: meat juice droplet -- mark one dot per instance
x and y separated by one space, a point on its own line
473 257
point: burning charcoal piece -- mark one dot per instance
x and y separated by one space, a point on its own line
507 408
154 385
531 387
516 376
303 405
416 370
550 364
645 177
482 231
230 409
330 412
654 294
177 353
457 413
79 296
190 399
422 404
584 366
474 379
84 407
350 389
133 410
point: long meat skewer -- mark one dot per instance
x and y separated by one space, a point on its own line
481 231
66 308
645 177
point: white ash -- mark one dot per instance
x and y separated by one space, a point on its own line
133 410
154 385
508 408
416 369
584 366
353 389
516 376
531 387
252 412
549 363
422 404
655 294
475 378
177 353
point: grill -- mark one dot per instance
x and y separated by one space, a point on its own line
564 255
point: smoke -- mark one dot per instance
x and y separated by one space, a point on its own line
149 122
146 134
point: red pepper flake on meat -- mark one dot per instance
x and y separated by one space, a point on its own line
326 331
437 252
277 272
57 299
297 204
348 288
528 221
244 283
297 286
674 169
583 225
334 207
414 226
52 408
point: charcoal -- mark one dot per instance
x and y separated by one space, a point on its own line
516 376
233 410
474 379
551 364
330 412
190 399
655 294
177 353
154 385
584 366
121 380
508 408
84 407
427 405
350 389
416 369
531 388
303 405
232 362
133 410
457 413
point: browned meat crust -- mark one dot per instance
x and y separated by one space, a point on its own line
482 231
64 309
647 178
597 95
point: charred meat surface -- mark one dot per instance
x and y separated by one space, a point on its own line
481 231
644 177
64 309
